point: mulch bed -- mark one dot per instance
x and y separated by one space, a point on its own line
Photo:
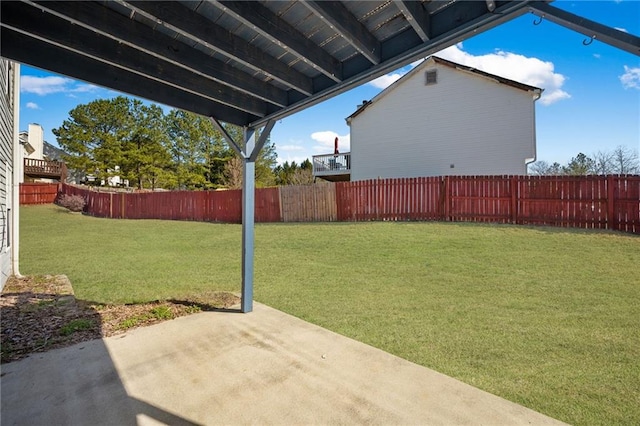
40 313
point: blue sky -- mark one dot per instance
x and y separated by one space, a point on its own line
591 101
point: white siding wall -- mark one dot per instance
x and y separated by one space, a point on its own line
480 126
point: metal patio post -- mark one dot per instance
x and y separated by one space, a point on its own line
249 154
248 220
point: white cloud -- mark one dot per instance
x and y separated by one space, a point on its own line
326 140
32 105
84 88
531 71
54 84
386 80
624 30
597 55
44 85
631 78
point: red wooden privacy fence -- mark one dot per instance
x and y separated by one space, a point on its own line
38 193
203 206
598 202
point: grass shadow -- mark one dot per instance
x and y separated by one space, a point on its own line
205 307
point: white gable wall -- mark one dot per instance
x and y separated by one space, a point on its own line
480 126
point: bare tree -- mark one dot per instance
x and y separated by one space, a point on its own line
539 168
232 173
602 163
302 177
625 160
542 168
622 160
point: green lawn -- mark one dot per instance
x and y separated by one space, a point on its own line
548 318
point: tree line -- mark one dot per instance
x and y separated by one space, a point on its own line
152 149
620 160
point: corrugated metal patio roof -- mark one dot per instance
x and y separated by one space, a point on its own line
246 62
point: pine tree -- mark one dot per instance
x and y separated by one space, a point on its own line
92 136
145 156
189 140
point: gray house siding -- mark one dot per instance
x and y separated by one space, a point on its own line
465 124
6 169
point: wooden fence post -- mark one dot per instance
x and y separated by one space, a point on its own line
279 195
446 199
611 211
514 199
378 191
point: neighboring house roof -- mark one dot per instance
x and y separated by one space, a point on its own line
49 151
434 59
24 141
52 152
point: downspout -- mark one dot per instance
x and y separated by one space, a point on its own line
536 95
17 174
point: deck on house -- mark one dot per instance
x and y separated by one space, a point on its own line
45 169
332 167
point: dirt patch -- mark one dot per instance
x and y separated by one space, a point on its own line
40 313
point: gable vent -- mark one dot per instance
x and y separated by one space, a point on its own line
431 77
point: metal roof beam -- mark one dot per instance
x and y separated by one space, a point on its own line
337 16
271 26
616 38
196 27
407 47
31 51
416 16
111 24
244 152
264 136
463 14
61 32
226 136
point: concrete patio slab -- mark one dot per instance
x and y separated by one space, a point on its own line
265 367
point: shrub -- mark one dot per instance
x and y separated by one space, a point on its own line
75 203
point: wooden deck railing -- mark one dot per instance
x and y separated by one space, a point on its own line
45 169
332 164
